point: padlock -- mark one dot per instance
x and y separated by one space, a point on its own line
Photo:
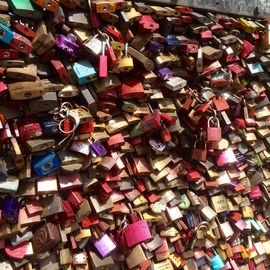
103 6
125 64
11 210
67 44
46 237
213 133
26 10
29 129
104 245
82 113
217 262
84 71
51 5
93 45
6 34
199 154
103 62
136 233
131 89
147 24
175 83
46 163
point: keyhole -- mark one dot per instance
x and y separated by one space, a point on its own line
2 32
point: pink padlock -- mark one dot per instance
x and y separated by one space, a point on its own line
213 133
225 158
136 233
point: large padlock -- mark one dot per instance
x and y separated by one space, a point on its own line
136 233
213 133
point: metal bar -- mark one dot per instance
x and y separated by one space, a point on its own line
249 8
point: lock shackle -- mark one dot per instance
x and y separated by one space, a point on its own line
195 94
196 142
132 211
213 119
90 5
204 226
266 192
126 49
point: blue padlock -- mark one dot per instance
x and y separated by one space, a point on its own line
84 71
11 208
172 43
6 35
50 127
45 164
217 262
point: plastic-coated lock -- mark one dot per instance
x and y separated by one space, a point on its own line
8 54
61 71
111 58
21 43
104 7
98 148
84 71
24 30
46 163
50 5
11 209
217 262
103 63
6 35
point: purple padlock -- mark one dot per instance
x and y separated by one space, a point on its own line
98 149
67 44
104 245
11 208
155 47
165 73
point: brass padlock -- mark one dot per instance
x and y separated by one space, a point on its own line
125 64
83 114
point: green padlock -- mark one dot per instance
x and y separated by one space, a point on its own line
137 131
129 106
25 8
185 204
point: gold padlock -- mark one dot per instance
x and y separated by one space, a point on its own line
125 64
82 113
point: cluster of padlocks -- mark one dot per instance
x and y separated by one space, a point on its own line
133 136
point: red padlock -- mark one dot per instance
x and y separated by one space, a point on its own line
189 48
116 140
147 24
61 71
248 49
221 104
95 20
199 154
132 89
193 176
21 44
90 221
151 122
7 54
24 30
